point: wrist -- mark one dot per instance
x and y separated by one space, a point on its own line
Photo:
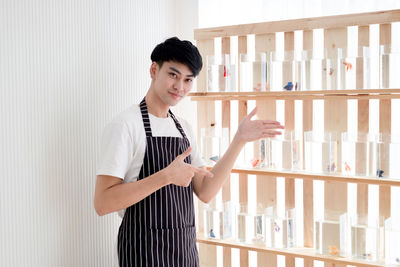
165 176
238 140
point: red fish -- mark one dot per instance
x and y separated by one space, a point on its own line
348 65
347 167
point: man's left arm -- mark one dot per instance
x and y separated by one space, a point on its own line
206 187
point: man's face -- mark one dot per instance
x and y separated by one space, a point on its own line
172 82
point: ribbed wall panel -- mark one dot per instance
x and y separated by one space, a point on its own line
66 68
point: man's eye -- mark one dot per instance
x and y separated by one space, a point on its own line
173 75
189 80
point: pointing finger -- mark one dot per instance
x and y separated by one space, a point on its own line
202 172
186 153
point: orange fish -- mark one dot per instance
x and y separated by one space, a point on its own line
347 167
330 71
348 65
255 162
334 251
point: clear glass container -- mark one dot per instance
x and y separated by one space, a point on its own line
386 156
264 149
389 65
250 224
288 71
321 152
366 239
213 142
331 234
355 69
218 221
250 155
333 68
283 152
221 73
280 231
356 154
392 241
254 72
361 78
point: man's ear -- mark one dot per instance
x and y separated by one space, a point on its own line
153 69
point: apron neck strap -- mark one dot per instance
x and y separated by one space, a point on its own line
146 120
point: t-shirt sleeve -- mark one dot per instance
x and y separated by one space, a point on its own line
196 158
115 150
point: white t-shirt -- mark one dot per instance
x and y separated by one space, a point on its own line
123 143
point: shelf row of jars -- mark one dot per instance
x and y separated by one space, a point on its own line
358 237
358 154
300 70
251 226
336 234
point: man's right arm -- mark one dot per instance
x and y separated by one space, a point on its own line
113 195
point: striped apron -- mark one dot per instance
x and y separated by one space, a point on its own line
160 229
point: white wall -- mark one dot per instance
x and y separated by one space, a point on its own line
66 68
214 13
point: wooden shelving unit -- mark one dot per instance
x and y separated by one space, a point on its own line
335 119
315 176
306 253
298 95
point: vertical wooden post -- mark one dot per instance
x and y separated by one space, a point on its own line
385 118
243 185
207 254
226 113
363 127
289 126
335 120
266 186
308 185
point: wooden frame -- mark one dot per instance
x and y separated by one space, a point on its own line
335 33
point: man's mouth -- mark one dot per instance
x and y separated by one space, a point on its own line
175 95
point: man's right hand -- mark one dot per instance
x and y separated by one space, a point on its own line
180 173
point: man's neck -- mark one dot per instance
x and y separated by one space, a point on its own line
155 105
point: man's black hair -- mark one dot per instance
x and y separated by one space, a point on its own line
181 51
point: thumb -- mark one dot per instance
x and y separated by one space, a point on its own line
186 153
252 113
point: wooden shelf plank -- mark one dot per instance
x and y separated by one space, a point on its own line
319 94
306 253
317 176
359 19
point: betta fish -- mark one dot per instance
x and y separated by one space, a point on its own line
254 162
348 65
379 173
214 158
288 86
333 250
212 233
347 167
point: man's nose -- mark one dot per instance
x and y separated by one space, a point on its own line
178 85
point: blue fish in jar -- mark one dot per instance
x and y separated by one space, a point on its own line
288 86
214 158
379 173
212 233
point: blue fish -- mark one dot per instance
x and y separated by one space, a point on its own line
379 173
288 86
276 227
214 158
212 233
331 168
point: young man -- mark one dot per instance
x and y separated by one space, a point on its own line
150 166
